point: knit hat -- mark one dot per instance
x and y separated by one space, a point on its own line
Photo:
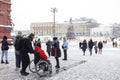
55 38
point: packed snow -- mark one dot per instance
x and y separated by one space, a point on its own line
105 66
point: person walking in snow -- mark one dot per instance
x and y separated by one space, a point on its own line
84 46
100 46
90 46
96 47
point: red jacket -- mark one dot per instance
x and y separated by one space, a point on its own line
40 52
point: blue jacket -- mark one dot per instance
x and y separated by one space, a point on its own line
65 44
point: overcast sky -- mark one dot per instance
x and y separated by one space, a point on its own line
24 12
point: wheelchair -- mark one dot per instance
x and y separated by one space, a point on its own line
40 66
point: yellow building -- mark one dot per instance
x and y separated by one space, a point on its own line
81 28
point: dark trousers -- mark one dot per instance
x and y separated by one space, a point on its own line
65 54
49 54
57 62
36 58
83 51
18 60
25 61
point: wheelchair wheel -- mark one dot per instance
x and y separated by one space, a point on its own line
32 66
43 68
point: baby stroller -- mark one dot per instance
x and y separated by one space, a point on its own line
42 67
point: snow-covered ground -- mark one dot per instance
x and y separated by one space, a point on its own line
105 66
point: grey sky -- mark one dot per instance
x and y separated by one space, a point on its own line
26 11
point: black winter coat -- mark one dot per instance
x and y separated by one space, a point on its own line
4 44
26 46
90 44
100 45
84 46
49 44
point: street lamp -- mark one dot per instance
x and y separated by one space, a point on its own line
53 10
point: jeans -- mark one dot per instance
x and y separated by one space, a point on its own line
4 53
90 49
18 60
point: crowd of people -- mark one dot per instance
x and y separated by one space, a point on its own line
25 45
90 45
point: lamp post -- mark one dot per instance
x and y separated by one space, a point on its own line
53 10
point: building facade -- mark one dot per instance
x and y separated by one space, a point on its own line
115 30
81 28
102 31
112 31
5 18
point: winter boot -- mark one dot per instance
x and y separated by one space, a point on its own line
24 73
2 61
7 62
57 66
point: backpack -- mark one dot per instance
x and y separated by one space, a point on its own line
17 43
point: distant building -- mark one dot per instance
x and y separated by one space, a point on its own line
115 30
5 18
81 28
101 31
112 30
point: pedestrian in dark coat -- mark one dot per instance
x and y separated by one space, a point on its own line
84 46
17 52
56 52
80 45
39 42
49 44
90 46
4 49
26 47
95 47
100 46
